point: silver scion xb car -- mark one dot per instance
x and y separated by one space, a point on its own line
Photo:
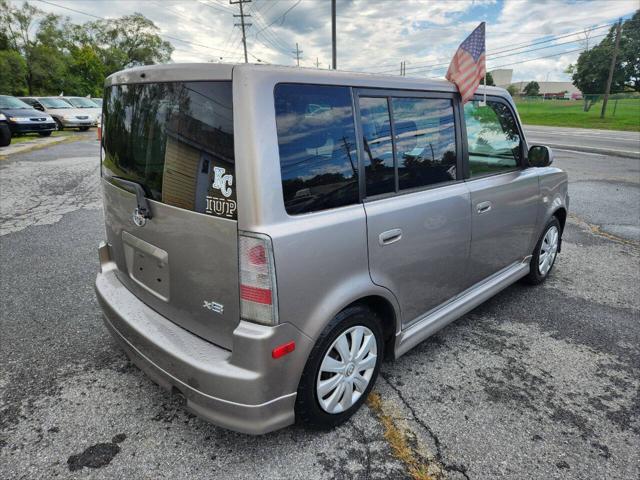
273 233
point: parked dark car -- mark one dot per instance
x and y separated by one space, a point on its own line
5 132
22 118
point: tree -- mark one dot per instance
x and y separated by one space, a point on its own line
13 70
532 89
128 41
513 90
489 80
630 52
591 70
45 54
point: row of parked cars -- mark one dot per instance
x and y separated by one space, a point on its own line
43 115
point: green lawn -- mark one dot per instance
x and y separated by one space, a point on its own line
569 113
34 136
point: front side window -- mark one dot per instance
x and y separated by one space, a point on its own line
425 137
317 145
378 148
176 140
493 138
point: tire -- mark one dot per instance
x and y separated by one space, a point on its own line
538 271
311 408
83 129
59 124
5 136
44 134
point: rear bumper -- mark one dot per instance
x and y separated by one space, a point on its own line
247 391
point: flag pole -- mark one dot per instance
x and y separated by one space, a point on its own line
484 101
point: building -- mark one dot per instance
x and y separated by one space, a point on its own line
502 77
550 89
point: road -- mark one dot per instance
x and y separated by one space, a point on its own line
539 382
608 142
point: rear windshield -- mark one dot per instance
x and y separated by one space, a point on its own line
174 139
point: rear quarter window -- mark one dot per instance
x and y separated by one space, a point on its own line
317 146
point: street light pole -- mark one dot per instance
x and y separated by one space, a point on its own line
333 34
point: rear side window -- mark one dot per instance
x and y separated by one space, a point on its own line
493 138
176 140
317 145
425 135
378 148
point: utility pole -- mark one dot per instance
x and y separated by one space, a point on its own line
334 54
298 52
611 69
317 62
242 24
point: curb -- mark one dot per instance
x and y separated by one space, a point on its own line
601 151
40 145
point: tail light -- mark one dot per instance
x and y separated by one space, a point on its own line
258 299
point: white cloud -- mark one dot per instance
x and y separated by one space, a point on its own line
373 35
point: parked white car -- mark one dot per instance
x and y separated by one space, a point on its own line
65 114
86 105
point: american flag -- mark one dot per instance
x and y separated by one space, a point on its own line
468 64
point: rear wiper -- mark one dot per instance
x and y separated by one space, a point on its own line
143 206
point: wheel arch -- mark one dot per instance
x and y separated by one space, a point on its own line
387 314
561 214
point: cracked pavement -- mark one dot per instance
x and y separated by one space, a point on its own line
538 382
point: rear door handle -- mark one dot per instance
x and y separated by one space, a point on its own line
390 236
483 207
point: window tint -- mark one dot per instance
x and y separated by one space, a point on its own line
493 138
425 141
176 140
316 140
378 148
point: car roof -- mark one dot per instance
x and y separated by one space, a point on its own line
223 71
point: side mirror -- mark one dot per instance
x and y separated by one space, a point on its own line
540 156
37 106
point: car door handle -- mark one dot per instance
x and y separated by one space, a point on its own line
389 237
483 207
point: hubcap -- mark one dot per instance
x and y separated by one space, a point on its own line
548 250
346 369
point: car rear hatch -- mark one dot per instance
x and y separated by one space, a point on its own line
171 142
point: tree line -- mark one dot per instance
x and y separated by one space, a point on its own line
45 54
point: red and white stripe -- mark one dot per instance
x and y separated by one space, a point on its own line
466 73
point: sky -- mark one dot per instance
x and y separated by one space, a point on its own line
373 35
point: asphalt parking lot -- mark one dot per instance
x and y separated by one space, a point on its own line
539 382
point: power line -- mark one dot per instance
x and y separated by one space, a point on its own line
526 45
537 58
282 16
421 68
516 46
